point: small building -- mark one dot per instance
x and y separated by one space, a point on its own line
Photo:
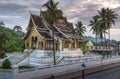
105 47
89 45
39 36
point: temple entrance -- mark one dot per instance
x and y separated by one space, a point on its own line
34 42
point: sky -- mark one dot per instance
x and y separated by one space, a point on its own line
17 12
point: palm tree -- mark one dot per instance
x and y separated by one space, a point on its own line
108 18
96 27
51 16
102 17
111 17
80 29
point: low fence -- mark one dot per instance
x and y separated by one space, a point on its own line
7 74
38 72
48 71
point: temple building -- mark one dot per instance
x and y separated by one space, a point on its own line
39 36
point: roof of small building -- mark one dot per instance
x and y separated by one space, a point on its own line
104 43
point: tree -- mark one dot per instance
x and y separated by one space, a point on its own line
2 54
9 40
17 29
51 16
111 17
6 64
96 27
80 29
84 47
107 17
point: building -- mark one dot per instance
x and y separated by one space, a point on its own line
105 47
89 45
39 37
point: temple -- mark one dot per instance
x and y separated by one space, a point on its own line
39 36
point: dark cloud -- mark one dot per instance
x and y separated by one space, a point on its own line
15 12
11 9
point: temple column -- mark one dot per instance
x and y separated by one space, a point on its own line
60 45
37 45
30 44
75 44
44 46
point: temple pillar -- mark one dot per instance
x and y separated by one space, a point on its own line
60 45
75 44
37 45
30 44
44 45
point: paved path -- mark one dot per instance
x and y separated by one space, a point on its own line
113 73
72 75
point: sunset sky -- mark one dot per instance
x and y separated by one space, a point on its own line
16 12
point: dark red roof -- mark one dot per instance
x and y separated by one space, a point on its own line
60 29
66 27
38 21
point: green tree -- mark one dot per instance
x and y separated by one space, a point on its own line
9 40
96 27
84 47
6 64
80 29
2 54
51 16
17 29
108 18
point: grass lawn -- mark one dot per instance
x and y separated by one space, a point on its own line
24 67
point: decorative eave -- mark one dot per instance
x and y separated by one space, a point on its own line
28 30
62 32
36 26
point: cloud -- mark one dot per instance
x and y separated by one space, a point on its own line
16 12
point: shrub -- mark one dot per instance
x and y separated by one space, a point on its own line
6 64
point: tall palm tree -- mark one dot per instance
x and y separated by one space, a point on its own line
51 16
80 29
107 17
96 27
111 17
102 17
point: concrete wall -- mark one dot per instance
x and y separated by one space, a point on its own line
6 74
39 73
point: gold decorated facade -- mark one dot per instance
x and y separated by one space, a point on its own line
39 35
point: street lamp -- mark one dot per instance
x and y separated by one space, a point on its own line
83 69
118 49
101 60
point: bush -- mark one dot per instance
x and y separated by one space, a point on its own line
6 64
2 54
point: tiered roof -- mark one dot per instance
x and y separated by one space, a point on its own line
62 28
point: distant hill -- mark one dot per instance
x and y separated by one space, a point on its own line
93 39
